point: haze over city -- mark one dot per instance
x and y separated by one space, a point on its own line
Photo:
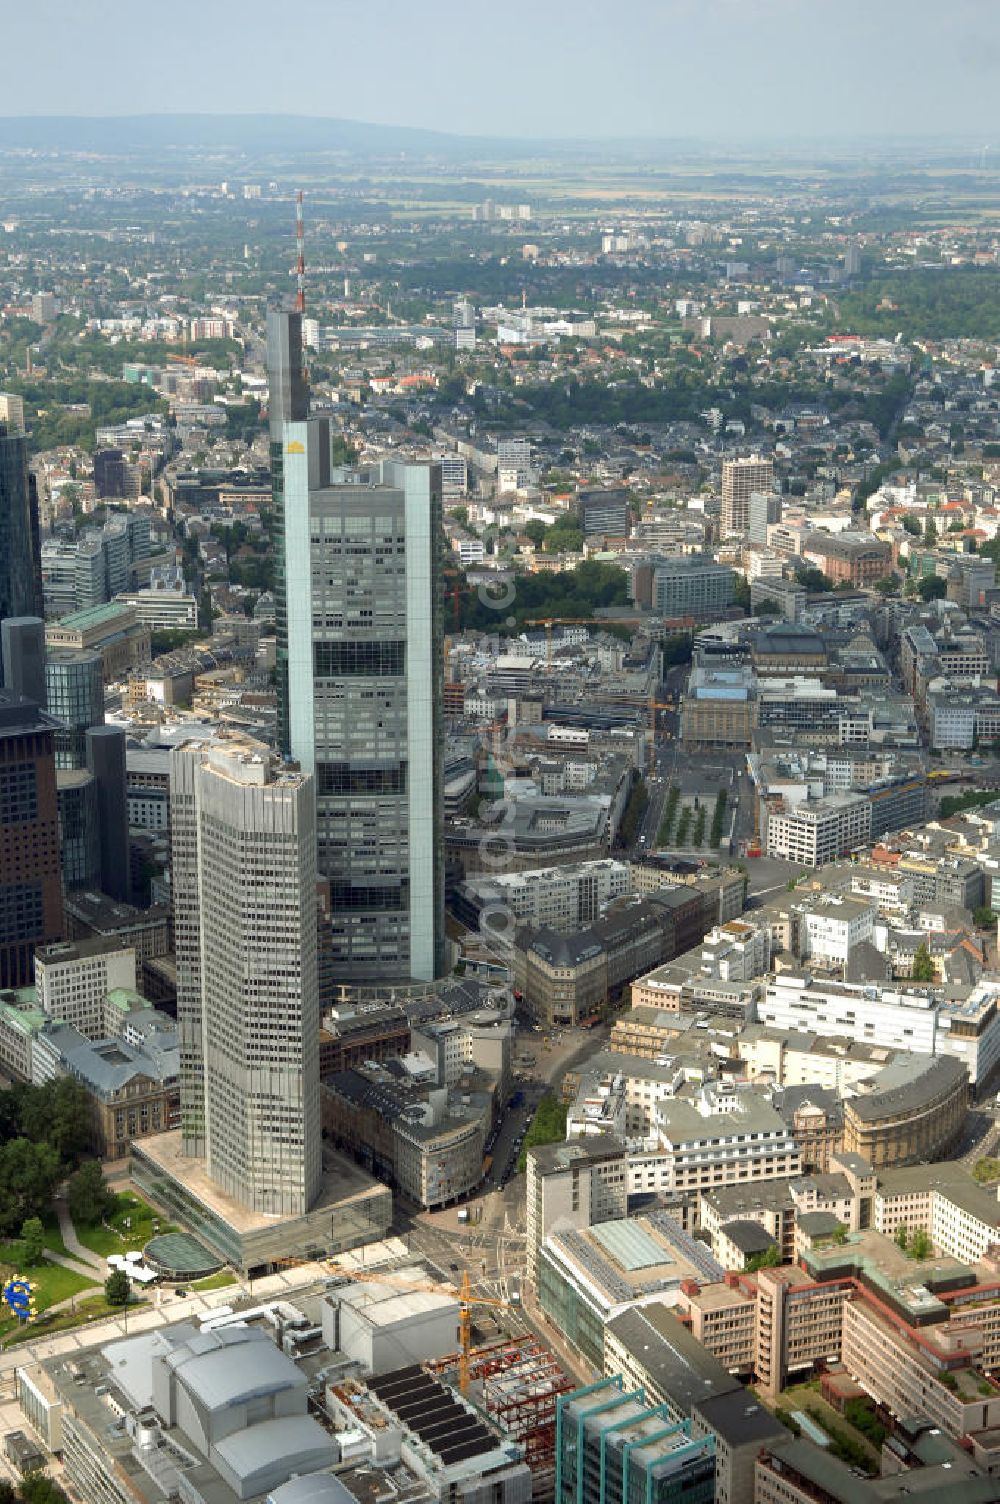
500 753
714 69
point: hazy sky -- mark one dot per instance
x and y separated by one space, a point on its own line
709 68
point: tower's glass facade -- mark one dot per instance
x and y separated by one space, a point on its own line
19 578
74 685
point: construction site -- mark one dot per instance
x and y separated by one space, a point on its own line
512 1381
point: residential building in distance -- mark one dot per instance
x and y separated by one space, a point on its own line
692 586
31 898
741 479
604 513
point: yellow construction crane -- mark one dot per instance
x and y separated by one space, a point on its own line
466 1300
655 706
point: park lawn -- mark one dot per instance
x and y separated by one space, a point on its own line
53 1237
89 1308
217 1281
113 1236
54 1284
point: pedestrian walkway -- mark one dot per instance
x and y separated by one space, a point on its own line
74 1265
86 1256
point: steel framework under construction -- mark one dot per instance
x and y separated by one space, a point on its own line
520 1382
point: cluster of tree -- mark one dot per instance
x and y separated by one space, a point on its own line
169 639
243 421
50 424
953 804
952 303
564 536
44 1131
34 1488
548 1126
916 1245
676 648
718 815
924 969
574 592
634 811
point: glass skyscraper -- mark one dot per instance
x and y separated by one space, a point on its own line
74 684
360 679
20 579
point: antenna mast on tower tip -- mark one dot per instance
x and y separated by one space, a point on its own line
300 264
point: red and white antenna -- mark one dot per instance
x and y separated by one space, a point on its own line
300 264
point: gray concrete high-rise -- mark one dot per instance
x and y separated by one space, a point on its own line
360 679
244 884
20 579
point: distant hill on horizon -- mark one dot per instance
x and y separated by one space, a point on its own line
257 133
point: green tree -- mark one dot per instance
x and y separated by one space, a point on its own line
921 1246
815 580
769 1259
930 533
901 1239
911 526
923 966
565 536
931 588
460 515
117 1288
888 584
59 1114
29 1173
32 1241
87 1196
536 530
984 917
39 1488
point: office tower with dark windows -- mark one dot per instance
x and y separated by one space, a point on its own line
19 567
31 904
22 653
105 757
74 689
740 479
360 627
244 881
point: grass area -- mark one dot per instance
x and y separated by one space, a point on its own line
54 1285
857 1445
89 1308
669 814
218 1281
113 1236
548 1126
53 1237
